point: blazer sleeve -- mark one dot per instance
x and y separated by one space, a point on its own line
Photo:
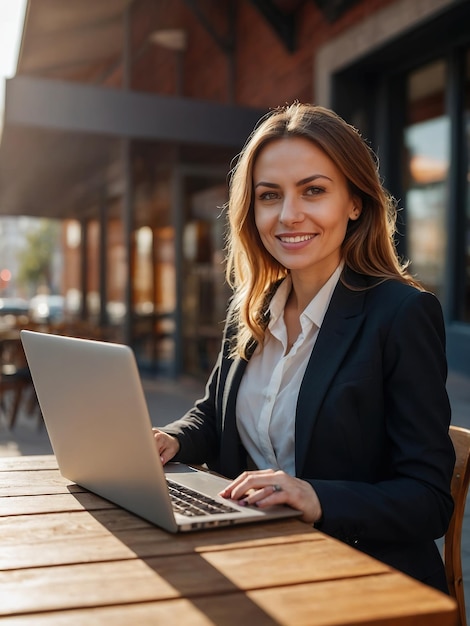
412 501
197 430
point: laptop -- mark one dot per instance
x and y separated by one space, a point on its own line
96 416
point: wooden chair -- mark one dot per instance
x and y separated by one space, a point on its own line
15 378
452 543
12 387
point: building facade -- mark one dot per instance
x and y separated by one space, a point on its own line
124 117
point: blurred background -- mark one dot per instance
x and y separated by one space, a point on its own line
120 122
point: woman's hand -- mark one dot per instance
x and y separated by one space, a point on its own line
264 488
167 445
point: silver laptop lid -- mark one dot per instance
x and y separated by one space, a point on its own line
97 419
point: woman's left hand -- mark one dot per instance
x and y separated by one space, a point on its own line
263 488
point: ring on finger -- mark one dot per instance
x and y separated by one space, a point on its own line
277 488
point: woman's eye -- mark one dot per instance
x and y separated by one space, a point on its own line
314 191
268 195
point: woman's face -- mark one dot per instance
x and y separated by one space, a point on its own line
302 206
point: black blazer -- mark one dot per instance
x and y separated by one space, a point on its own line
371 424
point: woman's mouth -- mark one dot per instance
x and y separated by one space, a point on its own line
295 238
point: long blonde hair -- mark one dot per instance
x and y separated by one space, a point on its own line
368 247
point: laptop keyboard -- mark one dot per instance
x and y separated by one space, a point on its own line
192 503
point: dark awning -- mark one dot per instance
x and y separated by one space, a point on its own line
56 105
61 141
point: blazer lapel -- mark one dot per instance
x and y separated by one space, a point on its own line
232 452
231 385
340 325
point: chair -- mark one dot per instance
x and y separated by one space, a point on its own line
13 381
15 378
452 541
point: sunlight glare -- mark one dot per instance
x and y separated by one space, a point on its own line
11 28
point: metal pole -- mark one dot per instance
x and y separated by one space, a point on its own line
454 275
103 270
127 193
178 220
84 269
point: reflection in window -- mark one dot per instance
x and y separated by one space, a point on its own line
143 272
426 141
205 291
466 307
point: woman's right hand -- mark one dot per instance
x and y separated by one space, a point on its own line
167 445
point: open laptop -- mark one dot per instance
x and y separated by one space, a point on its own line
96 415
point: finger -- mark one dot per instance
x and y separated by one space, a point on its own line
166 454
166 447
248 483
159 439
265 496
234 485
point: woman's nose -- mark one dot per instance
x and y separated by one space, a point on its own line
291 211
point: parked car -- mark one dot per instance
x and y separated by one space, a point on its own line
46 308
13 306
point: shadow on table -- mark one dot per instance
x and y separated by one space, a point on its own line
179 563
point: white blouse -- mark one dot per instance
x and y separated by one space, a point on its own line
267 398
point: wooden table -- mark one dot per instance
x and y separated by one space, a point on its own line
70 557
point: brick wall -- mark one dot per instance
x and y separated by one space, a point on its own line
266 74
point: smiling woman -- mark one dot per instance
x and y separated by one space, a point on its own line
329 393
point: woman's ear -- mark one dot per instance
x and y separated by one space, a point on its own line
356 208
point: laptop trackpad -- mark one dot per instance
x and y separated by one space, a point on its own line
199 480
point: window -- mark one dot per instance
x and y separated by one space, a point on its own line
466 306
205 291
427 144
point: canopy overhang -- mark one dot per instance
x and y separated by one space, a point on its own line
57 105
61 143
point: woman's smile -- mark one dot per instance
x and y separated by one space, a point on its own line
294 239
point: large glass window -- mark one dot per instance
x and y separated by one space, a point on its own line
154 297
205 291
466 309
427 144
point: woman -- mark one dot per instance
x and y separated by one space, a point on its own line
329 392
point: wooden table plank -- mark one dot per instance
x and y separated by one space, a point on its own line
188 575
84 536
30 483
230 610
52 503
31 463
384 600
349 602
75 537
